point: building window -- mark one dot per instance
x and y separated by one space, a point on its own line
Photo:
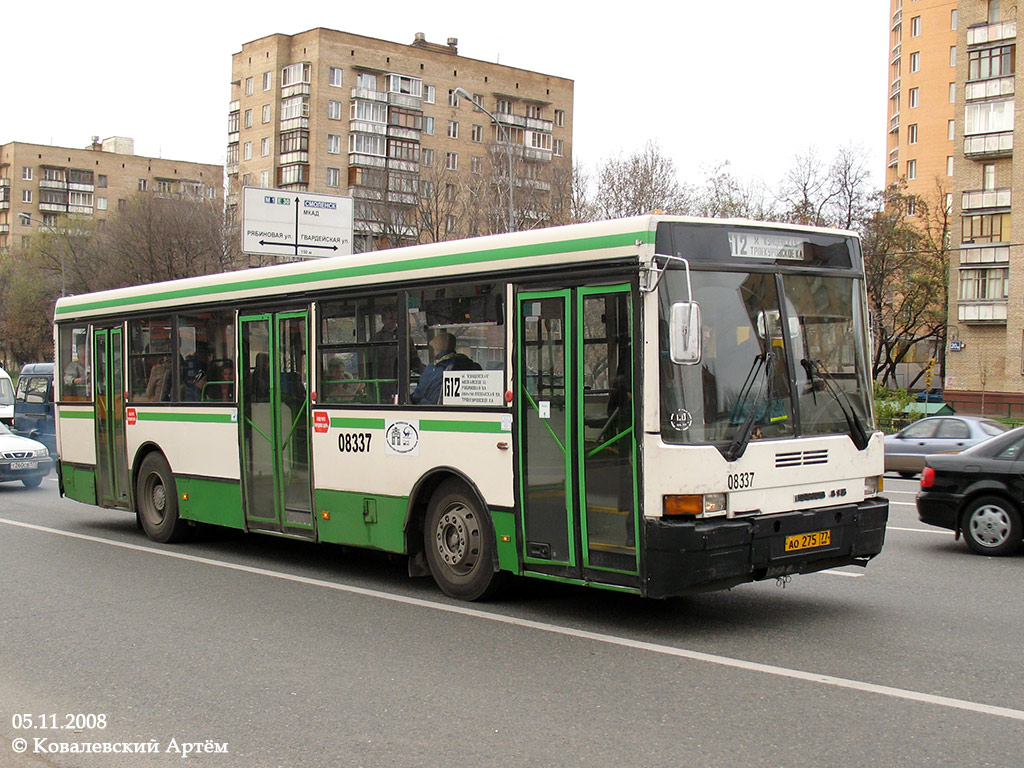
453 97
985 228
915 26
560 117
369 111
990 62
366 144
453 129
427 158
266 113
295 73
334 110
952 55
410 86
477 133
915 61
366 81
952 93
535 111
248 118
265 146
478 99
101 180
428 125
911 206
101 203
297 106
912 134
504 106
559 147
950 129
949 165
911 170
247 151
26 173
334 77
248 86
993 11
268 81
333 144
988 176
988 117
403 150
451 161
476 164
264 179
143 185
294 141
26 195
979 284
406 118
428 94
914 97
952 19
333 177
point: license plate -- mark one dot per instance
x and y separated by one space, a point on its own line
24 465
808 540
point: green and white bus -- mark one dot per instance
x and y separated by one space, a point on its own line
658 405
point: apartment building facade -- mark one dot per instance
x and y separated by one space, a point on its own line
922 97
331 112
985 362
40 184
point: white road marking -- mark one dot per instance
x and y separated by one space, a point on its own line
623 642
834 572
942 532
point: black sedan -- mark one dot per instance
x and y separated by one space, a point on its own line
978 493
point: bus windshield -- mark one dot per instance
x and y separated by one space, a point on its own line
782 355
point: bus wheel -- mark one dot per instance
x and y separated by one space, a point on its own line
459 544
157 499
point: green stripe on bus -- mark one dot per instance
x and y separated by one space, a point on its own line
76 414
431 425
217 418
369 270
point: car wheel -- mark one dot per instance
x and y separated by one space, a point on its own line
459 544
32 482
992 526
157 501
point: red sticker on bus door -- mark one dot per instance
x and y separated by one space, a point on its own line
321 421
132 416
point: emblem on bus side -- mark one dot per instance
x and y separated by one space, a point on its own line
402 438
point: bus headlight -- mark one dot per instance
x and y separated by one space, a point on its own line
872 486
694 505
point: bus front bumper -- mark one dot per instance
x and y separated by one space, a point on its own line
688 556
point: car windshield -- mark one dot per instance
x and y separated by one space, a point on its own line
781 351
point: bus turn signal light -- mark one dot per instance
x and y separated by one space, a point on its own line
694 504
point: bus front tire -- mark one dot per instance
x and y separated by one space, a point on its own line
157 501
459 544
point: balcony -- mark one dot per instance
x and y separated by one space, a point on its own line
5 182
897 51
990 33
290 158
894 89
366 161
537 124
537 155
299 89
399 132
984 254
405 100
368 94
404 198
408 166
366 193
4 229
78 187
509 119
294 123
982 312
53 184
989 145
894 157
897 18
54 207
363 126
5 205
894 123
985 198
987 89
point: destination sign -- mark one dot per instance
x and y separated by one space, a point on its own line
754 245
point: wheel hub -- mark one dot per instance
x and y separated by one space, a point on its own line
457 537
990 526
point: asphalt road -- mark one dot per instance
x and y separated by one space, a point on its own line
289 654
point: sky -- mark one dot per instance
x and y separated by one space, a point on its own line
747 82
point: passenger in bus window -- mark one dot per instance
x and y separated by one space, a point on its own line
428 390
195 373
158 387
340 385
76 373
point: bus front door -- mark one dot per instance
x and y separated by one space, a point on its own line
577 450
274 403
112 481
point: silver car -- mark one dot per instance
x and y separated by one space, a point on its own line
905 451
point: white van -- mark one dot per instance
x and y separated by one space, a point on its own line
6 399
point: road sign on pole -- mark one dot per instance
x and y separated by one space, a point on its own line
276 222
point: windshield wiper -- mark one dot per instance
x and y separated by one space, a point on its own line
857 432
765 365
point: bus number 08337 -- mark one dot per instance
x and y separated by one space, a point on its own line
741 480
354 442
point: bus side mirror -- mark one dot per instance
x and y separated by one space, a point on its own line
684 333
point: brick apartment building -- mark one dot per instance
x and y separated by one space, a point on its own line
331 112
40 183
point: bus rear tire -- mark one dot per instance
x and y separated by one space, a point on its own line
459 544
157 501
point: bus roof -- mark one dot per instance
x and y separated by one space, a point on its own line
571 244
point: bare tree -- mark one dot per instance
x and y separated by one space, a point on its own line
640 183
441 204
723 195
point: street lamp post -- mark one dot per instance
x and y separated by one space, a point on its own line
508 141
53 229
